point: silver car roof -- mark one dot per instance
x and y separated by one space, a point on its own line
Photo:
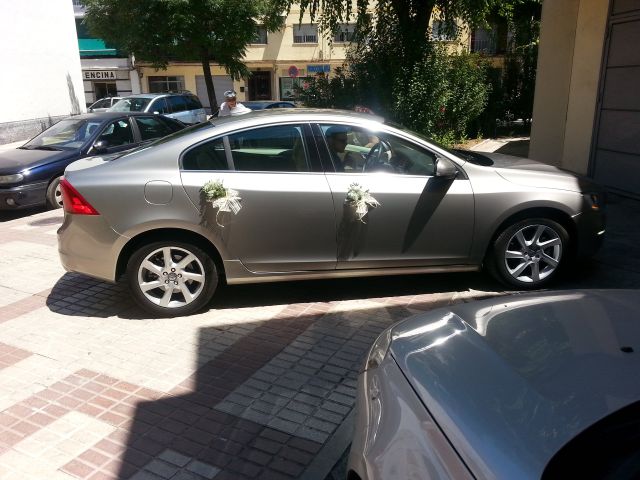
512 379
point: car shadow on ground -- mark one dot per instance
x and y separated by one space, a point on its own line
77 295
7 215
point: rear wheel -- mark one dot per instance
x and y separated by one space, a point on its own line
529 253
171 279
54 194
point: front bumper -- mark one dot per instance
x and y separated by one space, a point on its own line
88 245
23 196
590 225
395 436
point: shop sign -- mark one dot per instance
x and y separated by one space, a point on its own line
318 68
293 71
100 74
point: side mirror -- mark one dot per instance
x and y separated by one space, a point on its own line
100 146
445 168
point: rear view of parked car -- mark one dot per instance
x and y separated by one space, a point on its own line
184 107
299 194
527 387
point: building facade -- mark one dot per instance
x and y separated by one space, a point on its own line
106 72
41 79
278 61
586 115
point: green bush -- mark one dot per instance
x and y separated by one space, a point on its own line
443 95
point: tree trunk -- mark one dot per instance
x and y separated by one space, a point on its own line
208 80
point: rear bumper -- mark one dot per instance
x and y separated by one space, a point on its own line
23 196
88 245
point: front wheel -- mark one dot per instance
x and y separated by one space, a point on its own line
171 279
54 194
529 253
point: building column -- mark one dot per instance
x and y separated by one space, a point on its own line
572 37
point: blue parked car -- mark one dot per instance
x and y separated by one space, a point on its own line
30 175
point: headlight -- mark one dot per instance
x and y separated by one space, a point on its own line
379 350
5 179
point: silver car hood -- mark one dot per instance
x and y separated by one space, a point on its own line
512 379
531 173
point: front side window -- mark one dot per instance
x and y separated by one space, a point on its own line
278 148
206 156
117 133
305 33
166 84
357 150
159 105
151 128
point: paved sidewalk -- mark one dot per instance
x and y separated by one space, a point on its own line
260 386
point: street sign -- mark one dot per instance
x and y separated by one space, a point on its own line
293 71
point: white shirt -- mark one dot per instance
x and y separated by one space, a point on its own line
239 109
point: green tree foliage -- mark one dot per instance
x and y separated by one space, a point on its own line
160 31
521 60
442 95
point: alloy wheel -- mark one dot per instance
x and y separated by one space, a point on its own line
171 277
533 253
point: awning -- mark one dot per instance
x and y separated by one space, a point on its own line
95 47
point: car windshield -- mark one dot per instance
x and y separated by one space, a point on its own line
136 104
465 155
64 135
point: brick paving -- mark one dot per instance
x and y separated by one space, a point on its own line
262 385
256 387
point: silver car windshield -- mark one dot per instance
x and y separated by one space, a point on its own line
64 135
131 105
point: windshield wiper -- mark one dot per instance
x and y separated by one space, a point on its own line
45 147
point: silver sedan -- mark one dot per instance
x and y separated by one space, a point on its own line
530 386
305 194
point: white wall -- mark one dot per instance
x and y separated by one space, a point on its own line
39 60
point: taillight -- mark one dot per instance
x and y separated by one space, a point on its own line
73 202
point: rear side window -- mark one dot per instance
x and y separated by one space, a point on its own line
151 127
278 148
206 156
177 104
192 102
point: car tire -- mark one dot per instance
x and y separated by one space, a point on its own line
529 254
54 194
157 276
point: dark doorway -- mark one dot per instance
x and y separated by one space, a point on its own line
615 158
260 86
104 89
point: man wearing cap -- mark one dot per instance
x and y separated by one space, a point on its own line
231 106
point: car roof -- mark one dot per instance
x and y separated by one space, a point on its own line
108 115
264 103
156 95
302 113
529 372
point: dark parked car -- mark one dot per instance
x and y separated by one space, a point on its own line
535 386
30 175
